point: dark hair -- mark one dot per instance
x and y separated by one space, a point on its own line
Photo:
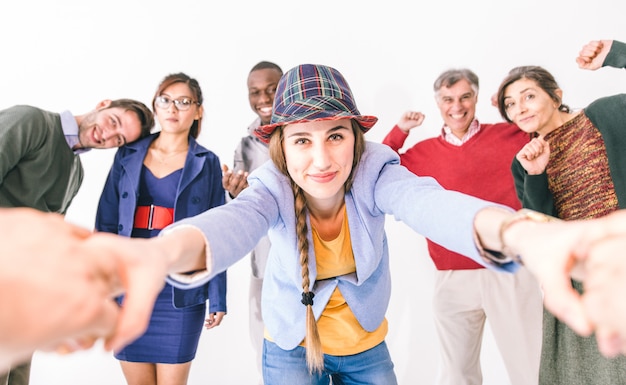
196 92
540 76
314 353
451 77
263 65
146 117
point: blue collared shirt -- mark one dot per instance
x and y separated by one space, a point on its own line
70 130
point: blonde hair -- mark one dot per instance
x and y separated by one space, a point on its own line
313 344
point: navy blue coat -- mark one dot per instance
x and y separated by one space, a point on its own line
200 188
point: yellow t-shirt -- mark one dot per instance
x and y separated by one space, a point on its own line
340 332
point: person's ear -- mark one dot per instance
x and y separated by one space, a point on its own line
103 104
199 113
559 93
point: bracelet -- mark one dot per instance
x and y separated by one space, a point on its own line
521 215
506 255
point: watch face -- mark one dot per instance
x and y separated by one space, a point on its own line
521 215
536 216
507 255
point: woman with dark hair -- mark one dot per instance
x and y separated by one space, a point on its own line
166 177
574 168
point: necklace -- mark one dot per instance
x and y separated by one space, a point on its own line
156 152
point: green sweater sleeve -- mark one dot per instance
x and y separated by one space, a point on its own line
608 114
617 55
20 135
533 190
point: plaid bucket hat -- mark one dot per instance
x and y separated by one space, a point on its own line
312 92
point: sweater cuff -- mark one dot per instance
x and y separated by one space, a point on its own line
495 259
617 55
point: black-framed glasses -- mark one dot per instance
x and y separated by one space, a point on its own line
182 104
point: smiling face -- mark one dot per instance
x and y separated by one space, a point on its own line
319 158
262 85
531 107
457 105
108 127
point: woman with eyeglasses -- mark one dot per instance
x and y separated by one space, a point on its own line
163 178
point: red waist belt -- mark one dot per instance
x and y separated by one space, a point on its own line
153 217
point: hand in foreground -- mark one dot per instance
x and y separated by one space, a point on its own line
234 183
592 55
591 249
138 268
605 286
53 287
550 251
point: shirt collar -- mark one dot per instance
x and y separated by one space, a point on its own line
448 136
253 126
70 130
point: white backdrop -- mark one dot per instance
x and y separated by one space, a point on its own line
72 54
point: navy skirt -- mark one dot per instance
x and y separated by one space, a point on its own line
172 336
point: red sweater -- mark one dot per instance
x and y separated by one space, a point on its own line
480 167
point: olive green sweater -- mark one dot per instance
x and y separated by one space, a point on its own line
37 167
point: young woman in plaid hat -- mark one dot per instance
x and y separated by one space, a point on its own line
323 201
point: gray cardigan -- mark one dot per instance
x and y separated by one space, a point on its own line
250 154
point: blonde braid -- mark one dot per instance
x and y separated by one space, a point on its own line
313 344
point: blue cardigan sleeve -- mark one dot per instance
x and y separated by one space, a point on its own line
215 289
217 285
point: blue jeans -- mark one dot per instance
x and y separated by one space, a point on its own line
288 367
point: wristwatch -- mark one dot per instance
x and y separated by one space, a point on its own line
506 255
